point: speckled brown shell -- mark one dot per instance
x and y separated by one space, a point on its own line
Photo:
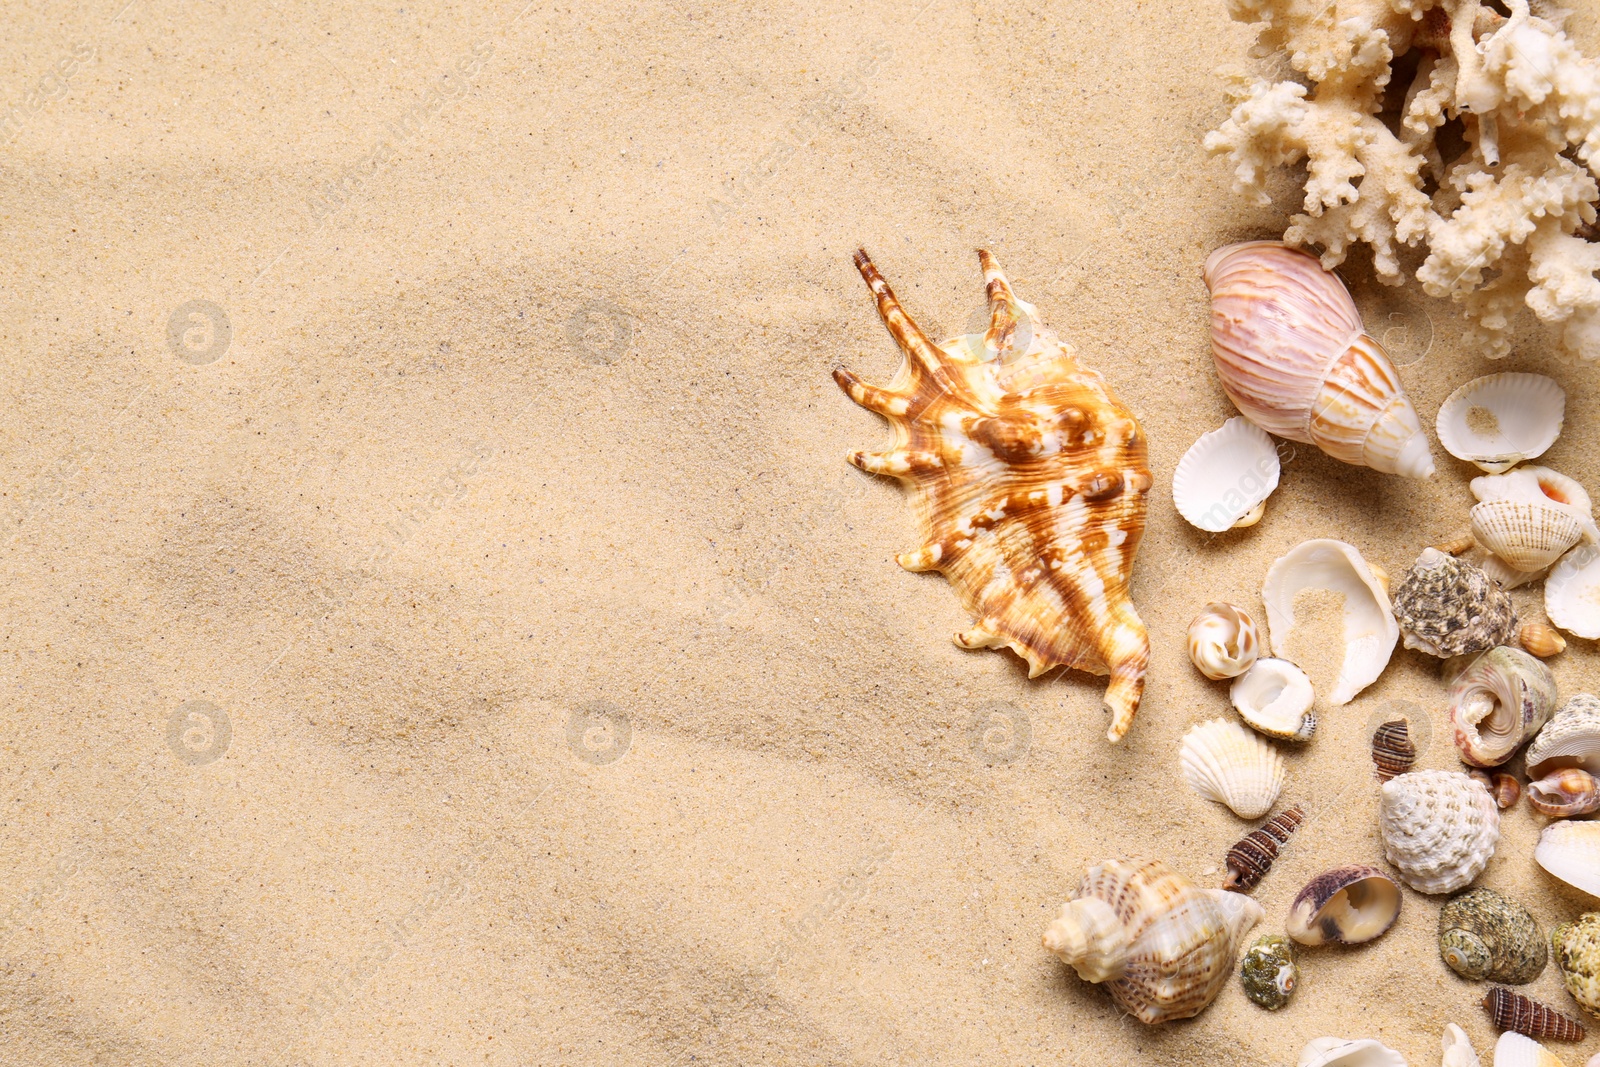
1577 952
1447 607
1483 935
1030 481
1513 1011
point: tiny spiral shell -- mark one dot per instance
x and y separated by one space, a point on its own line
1513 1011
1393 753
1541 640
1223 642
1251 857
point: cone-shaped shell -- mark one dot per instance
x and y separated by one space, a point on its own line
1174 945
1223 642
1439 828
1572 592
1498 703
1483 935
1274 697
1291 353
1338 1052
1527 535
1224 762
1500 420
1370 630
1347 905
1571 852
1226 476
1570 739
1577 953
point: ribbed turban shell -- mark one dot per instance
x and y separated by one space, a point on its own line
1029 483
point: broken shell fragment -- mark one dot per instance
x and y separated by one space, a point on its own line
1540 640
1572 592
1565 793
1347 905
1513 1011
1571 852
1577 952
1252 855
1498 703
1515 1050
1458 1050
1439 828
1483 935
1570 739
1225 478
1269 972
1500 420
1528 536
1370 630
1224 762
1223 641
1447 607
1337 1052
1275 697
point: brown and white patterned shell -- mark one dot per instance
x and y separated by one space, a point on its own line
1030 482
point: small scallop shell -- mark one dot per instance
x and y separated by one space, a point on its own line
1572 592
1447 607
1485 935
1275 697
1370 631
1439 828
1226 476
1571 852
1565 792
1251 856
1570 739
1458 1050
1268 972
1348 905
1577 953
1337 1052
1515 1050
1502 419
1222 641
1224 762
1393 752
1532 483
1498 703
1513 1011
1540 640
1527 535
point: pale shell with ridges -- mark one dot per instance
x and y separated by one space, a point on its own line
1370 630
1527 535
1515 1050
1499 420
1542 485
1341 1052
1274 697
1226 476
1439 829
1458 1050
1291 353
1223 642
1572 592
1224 762
1570 739
1507 575
1498 703
1571 851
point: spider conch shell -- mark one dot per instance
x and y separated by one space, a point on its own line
1030 482
1439 828
1160 944
1293 357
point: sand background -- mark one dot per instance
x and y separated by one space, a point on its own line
575 710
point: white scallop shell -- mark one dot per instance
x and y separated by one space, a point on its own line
1570 739
1572 592
1502 419
1439 828
1339 1052
1370 630
1226 476
1539 485
1515 1050
1274 697
1570 850
1224 762
1458 1050
1223 641
1527 535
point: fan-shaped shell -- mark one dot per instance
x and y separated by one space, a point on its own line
1030 481
1572 592
1339 1052
1577 952
1570 739
1516 1050
1498 703
1483 935
1447 607
1226 476
1370 630
1291 354
1571 852
1439 828
1349 905
1161 945
1502 419
1275 697
1528 535
1539 485
1222 641
1224 762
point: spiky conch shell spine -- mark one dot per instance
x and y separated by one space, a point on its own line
1030 483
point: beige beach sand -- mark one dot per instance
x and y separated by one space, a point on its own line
492 497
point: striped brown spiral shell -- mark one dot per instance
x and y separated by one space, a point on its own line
1251 858
1393 754
1513 1011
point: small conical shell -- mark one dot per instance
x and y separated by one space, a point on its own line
1513 1011
1498 703
1226 476
1502 419
1570 739
1571 852
1515 1050
1224 762
1572 592
1291 354
1528 535
1439 828
1370 630
1338 1052
1223 642
1274 697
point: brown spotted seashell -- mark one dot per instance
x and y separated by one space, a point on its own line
1513 1011
1393 753
1030 482
1251 857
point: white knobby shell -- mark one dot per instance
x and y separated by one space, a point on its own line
1439 828
1571 851
1370 630
1572 592
1498 703
1226 476
1341 1052
1224 762
1515 1050
1570 739
1458 1050
1223 641
1275 698
1502 419
1528 535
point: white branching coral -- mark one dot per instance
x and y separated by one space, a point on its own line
1505 207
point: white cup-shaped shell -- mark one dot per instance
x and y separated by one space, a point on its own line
1498 703
1275 698
1225 476
1340 1052
1439 828
1224 762
1572 592
1370 630
1223 642
1500 420
1571 852
1528 535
